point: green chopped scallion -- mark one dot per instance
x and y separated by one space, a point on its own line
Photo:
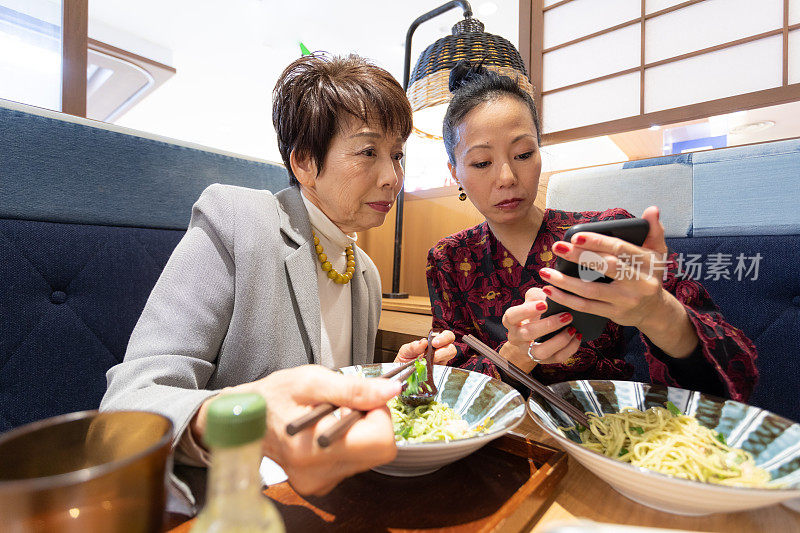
417 378
623 451
638 430
720 437
672 409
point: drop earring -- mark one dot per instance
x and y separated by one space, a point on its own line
461 194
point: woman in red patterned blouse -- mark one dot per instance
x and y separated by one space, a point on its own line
491 280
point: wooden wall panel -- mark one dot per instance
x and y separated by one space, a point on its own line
427 220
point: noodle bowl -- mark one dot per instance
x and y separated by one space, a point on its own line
476 398
771 440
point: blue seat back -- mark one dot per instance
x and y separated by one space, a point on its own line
89 215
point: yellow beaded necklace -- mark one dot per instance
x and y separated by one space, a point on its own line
342 279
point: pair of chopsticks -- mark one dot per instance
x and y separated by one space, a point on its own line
514 371
400 373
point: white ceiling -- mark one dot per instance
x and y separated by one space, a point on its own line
228 54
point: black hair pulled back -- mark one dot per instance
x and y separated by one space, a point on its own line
471 85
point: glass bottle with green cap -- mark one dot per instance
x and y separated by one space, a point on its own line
234 503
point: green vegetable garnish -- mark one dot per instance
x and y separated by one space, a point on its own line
720 437
580 428
638 430
672 409
623 451
417 378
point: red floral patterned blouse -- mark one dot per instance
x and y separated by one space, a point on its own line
473 279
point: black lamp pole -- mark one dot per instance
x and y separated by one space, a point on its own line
398 224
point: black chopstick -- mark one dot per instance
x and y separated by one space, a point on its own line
515 372
344 423
323 409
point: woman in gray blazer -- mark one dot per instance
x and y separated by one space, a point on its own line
263 284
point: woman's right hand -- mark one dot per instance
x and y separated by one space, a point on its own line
290 394
525 325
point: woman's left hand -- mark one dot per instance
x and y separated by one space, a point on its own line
636 297
443 342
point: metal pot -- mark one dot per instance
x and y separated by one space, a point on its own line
84 472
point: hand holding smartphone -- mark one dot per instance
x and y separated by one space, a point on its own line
632 230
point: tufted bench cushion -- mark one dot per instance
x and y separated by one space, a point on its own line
599 188
76 293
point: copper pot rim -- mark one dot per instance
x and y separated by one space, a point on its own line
84 474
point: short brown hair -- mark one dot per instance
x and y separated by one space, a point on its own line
314 92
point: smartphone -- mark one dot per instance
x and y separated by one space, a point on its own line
632 230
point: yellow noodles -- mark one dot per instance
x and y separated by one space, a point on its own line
433 422
675 445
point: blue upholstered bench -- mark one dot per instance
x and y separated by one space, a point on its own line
735 201
89 215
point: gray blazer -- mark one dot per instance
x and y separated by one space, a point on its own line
237 300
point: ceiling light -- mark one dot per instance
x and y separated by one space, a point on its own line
751 127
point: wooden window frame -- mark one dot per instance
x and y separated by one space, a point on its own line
75 46
74 42
531 34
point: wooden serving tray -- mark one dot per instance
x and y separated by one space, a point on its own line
504 486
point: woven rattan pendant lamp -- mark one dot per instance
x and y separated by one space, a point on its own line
429 80
427 88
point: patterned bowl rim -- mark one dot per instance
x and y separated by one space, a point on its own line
689 483
489 435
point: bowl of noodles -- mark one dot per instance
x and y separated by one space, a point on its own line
468 411
676 450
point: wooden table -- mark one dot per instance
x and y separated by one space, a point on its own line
582 495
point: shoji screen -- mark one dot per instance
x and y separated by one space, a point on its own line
616 65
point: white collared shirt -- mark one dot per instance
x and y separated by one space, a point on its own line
335 300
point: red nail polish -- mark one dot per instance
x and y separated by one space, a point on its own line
565 317
580 239
547 292
545 274
541 306
561 248
571 331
